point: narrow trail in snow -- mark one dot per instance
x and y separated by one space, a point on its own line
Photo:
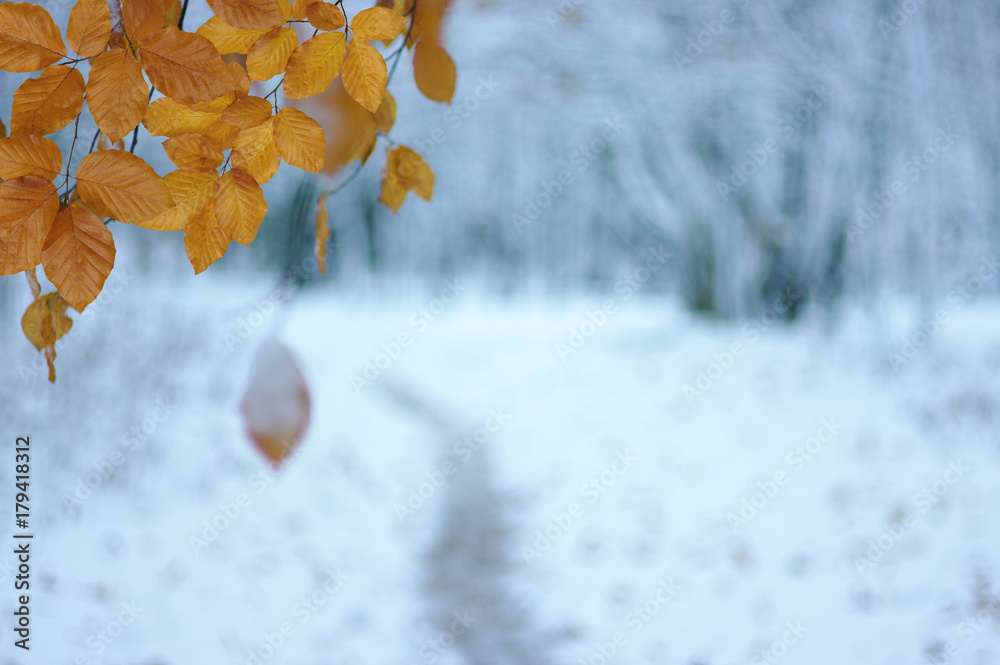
468 570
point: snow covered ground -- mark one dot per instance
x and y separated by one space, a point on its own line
509 482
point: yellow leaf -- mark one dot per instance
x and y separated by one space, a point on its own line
223 135
322 233
248 112
228 39
254 152
405 170
193 152
325 16
89 27
434 72
314 64
248 14
204 240
78 256
276 403
116 93
240 206
165 117
269 55
286 9
120 185
299 8
427 15
142 18
48 103
393 193
29 38
385 116
192 192
28 206
241 80
172 13
43 323
365 74
299 139
29 154
377 23
185 66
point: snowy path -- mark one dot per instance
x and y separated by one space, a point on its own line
592 518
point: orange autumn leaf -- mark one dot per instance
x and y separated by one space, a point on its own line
405 171
142 18
240 206
191 191
228 39
314 64
276 403
89 27
269 55
193 152
434 72
377 23
365 74
43 323
322 233
427 15
117 93
78 255
165 117
29 154
28 206
204 241
223 134
325 16
48 103
122 186
173 9
300 140
248 14
300 7
254 152
29 38
248 112
185 66
241 80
